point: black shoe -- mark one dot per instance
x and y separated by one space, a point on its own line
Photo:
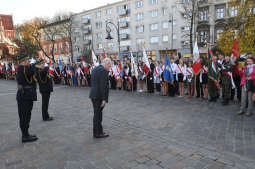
48 119
101 135
26 139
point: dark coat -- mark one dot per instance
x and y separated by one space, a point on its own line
99 84
44 81
26 83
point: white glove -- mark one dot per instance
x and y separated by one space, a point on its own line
32 61
46 65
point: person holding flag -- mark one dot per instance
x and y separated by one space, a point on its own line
168 75
197 66
141 75
213 80
134 73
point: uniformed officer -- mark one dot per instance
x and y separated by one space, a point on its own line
45 88
150 78
26 95
226 80
212 88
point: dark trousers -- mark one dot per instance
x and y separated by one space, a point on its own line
45 105
199 87
134 83
158 87
237 81
171 89
98 117
24 109
150 84
113 82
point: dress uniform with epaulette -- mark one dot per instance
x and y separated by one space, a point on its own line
45 88
26 95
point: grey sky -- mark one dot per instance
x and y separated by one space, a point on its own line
27 9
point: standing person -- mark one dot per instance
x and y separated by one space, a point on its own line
150 80
25 97
173 88
204 80
220 63
181 76
237 81
141 76
45 88
226 80
190 81
248 87
99 95
212 88
157 73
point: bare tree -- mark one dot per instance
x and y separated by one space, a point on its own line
190 13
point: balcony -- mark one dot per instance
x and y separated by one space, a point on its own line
87 31
123 24
124 36
123 12
124 48
87 42
86 21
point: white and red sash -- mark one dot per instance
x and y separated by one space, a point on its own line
205 69
156 71
190 72
180 70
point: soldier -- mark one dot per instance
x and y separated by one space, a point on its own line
25 97
45 87
212 88
226 80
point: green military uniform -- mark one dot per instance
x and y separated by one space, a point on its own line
226 82
212 88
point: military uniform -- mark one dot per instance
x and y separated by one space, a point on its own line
212 88
226 82
45 87
150 79
25 97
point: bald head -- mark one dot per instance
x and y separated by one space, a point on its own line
107 63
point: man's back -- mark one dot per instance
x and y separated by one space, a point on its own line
99 84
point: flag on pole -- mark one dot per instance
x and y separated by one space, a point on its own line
51 69
234 52
146 62
133 65
94 58
168 72
212 69
70 60
196 60
104 54
13 69
60 64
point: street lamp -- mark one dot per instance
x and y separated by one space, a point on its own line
171 20
108 30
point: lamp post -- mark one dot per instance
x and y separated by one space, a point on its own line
171 20
108 30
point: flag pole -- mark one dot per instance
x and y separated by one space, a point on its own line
195 85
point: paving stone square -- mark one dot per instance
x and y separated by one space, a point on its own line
147 131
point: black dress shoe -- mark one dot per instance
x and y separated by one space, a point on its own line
26 139
48 119
101 135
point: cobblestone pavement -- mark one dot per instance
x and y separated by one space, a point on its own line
146 132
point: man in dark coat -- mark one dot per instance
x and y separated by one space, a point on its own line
45 87
150 77
99 95
26 95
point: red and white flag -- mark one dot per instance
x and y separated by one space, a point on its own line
234 52
196 60
146 62
104 54
94 58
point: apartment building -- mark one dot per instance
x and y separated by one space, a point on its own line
156 24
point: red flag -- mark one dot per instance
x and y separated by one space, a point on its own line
146 62
235 49
104 54
196 60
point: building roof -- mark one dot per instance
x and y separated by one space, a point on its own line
7 22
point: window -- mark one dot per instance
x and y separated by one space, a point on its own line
202 36
218 33
45 49
154 13
234 11
99 35
99 25
154 27
174 36
186 28
152 2
174 22
125 31
50 48
125 19
165 11
55 48
165 25
165 38
140 41
61 47
203 15
125 43
108 11
98 14
139 16
140 29
110 45
252 10
174 9
99 46
67 47
220 13
154 39
139 4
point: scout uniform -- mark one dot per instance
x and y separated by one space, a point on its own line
226 82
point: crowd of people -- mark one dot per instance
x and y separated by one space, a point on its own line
236 78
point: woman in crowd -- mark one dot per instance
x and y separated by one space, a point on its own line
204 80
190 79
157 72
181 76
248 87
141 75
